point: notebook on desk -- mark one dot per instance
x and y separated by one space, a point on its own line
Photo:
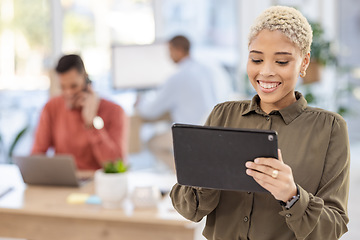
215 157
59 170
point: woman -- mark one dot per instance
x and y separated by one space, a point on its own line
309 185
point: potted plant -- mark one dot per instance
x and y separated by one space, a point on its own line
111 183
321 54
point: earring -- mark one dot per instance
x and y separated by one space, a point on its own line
302 74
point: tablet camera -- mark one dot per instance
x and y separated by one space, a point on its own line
271 138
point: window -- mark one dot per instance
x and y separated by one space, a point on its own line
24 44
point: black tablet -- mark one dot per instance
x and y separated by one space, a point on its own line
215 157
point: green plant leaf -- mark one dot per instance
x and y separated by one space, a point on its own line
321 48
115 167
342 111
15 142
310 98
121 167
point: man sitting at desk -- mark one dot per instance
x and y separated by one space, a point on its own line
188 95
80 123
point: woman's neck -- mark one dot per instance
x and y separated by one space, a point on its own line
286 101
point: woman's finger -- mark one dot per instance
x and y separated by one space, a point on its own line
270 162
262 168
262 177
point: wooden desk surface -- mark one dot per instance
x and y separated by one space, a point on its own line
39 212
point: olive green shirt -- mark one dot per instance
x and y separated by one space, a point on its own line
314 143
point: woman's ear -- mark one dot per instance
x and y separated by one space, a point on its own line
305 62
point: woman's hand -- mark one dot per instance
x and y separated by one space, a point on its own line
273 175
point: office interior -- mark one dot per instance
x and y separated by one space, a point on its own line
124 47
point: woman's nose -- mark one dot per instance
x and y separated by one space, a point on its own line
267 70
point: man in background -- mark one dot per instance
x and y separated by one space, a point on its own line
188 95
80 123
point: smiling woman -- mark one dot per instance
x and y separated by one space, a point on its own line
308 185
273 68
279 50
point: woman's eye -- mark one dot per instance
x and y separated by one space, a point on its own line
282 62
256 60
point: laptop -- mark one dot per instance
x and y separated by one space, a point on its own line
59 170
215 157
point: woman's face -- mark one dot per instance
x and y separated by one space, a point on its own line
273 68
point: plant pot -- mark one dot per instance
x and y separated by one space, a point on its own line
313 73
111 188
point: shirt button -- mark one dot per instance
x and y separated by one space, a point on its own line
249 192
288 215
267 118
246 219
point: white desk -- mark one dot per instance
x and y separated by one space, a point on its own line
41 213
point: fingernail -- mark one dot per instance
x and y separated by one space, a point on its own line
256 160
248 164
248 171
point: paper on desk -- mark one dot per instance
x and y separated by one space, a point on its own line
77 198
94 200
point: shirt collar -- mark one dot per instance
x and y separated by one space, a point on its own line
254 105
184 61
288 114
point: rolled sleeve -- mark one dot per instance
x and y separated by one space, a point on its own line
194 203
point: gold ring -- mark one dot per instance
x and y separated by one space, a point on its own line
275 173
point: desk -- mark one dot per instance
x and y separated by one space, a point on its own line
41 213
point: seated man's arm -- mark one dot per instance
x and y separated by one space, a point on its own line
110 142
153 107
43 138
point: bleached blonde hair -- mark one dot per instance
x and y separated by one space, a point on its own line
289 21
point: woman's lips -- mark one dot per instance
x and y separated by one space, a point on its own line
268 87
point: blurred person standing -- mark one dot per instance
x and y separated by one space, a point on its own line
79 122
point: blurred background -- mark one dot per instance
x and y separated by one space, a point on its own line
123 44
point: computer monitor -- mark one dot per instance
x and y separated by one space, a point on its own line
141 66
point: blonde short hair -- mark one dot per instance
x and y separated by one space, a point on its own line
289 21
